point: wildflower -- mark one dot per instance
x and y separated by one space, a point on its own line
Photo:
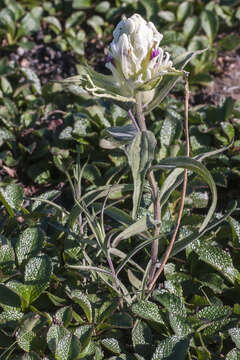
134 55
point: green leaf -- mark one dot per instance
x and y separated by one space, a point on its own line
213 281
235 336
100 86
26 335
150 7
235 225
6 86
12 198
56 300
191 27
228 129
25 340
64 316
234 354
68 348
172 348
142 340
84 334
127 132
175 178
183 11
54 335
74 19
229 42
54 23
81 4
22 290
29 243
136 228
214 312
167 16
4 67
15 7
182 244
7 20
147 310
33 78
106 310
37 275
140 156
210 24
121 320
220 260
139 247
9 297
215 327
103 7
170 301
7 255
31 22
226 110
11 314
78 297
96 22
112 345
5 135
200 169
170 131
180 324
39 204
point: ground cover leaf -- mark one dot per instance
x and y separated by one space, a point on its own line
11 197
220 260
29 243
37 274
172 348
79 298
112 345
142 340
234 354
235 336
8 297
147 310
68 348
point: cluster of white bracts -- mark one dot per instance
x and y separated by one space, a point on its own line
134 54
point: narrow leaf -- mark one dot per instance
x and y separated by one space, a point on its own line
140 156
200 169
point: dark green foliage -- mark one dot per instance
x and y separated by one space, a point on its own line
66 191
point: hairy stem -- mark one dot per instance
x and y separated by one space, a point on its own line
157 218
155 193
133 120
158 273
140 114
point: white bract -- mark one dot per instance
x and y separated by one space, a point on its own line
134 55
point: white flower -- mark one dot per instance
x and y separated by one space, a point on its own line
134 55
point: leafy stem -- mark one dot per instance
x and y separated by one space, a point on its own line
158 273
155 193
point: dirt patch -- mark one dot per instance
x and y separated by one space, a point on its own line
226 81
47 61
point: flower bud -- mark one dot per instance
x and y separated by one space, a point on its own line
134 55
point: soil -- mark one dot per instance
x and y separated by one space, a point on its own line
226 81
47 60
